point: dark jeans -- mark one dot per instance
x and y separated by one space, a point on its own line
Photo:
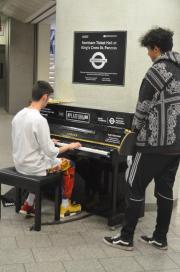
144 168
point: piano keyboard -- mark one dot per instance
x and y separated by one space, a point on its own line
88 149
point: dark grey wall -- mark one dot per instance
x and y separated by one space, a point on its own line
20 65
2 79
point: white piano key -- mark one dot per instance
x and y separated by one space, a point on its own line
88 149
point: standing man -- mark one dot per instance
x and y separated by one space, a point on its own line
157 125
34 152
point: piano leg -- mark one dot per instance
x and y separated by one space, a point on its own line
115 218
114 188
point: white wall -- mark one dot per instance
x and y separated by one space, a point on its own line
3 33
103 15
2 80
2 39
87 15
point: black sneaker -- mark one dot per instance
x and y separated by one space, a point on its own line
152 241
118 242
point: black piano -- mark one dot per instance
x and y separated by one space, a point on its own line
100 133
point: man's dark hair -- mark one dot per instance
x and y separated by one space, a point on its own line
40 88
162 38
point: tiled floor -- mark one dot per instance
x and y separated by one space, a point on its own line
75 246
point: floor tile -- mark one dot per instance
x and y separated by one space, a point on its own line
8 243
54 254
33 241
174 244
84 266
169 270
156 261
175 256
86 252
12 268
121 264
16 256
63 240
45 267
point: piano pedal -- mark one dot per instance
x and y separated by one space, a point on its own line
92 202
115 221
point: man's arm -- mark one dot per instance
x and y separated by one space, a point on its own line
42 135
66 147
70 146
146 94
47 144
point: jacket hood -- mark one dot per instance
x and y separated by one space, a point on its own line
171 56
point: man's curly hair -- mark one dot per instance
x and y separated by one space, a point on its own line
162 38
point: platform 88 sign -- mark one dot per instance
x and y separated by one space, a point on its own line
99 57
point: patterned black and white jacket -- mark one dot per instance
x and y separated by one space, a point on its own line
157 117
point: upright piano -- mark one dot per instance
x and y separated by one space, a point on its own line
99 131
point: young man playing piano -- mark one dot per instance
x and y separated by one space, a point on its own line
157 124
35 153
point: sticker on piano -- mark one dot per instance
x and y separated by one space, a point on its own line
78 117
116 121
111 121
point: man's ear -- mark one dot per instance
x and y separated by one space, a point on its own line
44 97
157 49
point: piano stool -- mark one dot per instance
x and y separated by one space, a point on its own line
33 184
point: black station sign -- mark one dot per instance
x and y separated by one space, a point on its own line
99 57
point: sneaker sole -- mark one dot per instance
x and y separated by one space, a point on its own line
118 246
26 214
23 212
69 215
147 243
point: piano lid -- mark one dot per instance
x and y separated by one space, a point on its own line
80 123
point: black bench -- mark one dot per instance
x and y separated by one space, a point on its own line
33 184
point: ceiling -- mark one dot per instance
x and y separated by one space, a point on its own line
26 10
